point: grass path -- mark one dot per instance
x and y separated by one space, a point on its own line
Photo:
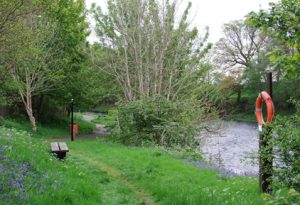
143 197
152 176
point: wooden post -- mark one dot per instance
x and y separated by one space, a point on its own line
265 150
72 120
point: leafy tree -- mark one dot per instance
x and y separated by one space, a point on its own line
149 51
28 60
43 50
10 11
158 62
282 21
68 16
241 53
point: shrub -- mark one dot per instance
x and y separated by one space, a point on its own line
157 121
287 150
283 197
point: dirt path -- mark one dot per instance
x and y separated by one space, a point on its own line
143 197
100 128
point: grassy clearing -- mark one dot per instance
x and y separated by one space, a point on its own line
102 172
167 179
30 175
53 129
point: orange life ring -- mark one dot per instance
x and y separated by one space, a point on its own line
264 96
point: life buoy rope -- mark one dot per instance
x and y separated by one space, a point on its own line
264 96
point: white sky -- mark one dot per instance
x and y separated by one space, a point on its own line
212 13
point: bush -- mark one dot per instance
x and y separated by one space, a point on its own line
287 149
157 121
283 197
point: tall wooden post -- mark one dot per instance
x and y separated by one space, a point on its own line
266 151
72 120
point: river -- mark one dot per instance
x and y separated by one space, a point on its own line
232 146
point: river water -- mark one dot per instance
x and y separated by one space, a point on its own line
231 145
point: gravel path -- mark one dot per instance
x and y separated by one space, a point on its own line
234 146
100 128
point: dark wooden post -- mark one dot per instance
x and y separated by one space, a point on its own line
266 155
72 120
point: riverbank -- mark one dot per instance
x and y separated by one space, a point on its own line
99 171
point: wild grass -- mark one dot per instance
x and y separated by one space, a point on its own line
50 129
168 179
103 172
31 175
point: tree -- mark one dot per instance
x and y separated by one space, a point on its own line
149 52
68 16
241 45
282 21
10 11
28 60
243 51
45 50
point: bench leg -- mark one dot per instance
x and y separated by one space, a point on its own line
61 155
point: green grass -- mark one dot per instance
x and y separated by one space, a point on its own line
102 172
47 180
243 117
250 117
51 129
107 120
169 180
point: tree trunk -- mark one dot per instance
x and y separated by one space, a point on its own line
27 101
239 92
32 119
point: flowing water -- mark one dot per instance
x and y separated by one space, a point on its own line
232 146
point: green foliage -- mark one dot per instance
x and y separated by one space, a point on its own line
108 120
157 121
281 21
85 127
287 148
148 49
283 197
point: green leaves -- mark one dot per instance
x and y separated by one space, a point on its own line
157 121
282 21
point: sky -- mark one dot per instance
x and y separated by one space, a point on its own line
212 13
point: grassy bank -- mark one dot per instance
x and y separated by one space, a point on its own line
168 179
244 117
56 128
102 172
31 175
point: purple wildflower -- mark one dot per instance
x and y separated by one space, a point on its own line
17 184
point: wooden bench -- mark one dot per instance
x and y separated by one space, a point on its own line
60 149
